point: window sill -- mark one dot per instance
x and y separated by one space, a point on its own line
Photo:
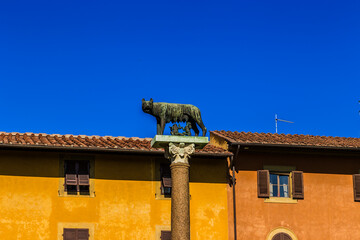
65 194
280 200
161 197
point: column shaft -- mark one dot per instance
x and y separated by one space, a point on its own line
180 212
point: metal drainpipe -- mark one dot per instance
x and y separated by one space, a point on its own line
234 194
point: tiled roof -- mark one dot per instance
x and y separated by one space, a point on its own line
288 139
87 142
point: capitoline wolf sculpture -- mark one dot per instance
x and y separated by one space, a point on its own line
175 113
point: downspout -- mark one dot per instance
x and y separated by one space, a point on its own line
234 193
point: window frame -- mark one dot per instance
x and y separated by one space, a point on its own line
281 170
165 175
278 179
62 191
281 230
157 177
77 178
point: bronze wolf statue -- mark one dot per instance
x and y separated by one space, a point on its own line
173 112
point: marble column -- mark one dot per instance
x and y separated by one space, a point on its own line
179 154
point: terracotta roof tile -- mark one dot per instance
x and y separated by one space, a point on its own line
89 142
288 139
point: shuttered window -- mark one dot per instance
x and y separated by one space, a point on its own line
356 180
263 184
77 177
277 184
69 234
165 176
83 234
165 235
76 234
281 236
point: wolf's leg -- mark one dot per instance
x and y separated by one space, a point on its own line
162 124
202 126
158 127
194 127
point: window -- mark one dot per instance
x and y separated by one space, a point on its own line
76 234
165 176
279 185
77 177
281 236
285 185
78 174
165 235
281 233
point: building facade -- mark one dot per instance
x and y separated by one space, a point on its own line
292 187
89 187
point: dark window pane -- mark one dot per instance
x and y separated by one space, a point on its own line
284 179
165 170
71 189
70 167
83 167
275 191
282 191
273 178
167 190
84 190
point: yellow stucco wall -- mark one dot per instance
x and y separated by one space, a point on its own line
124 205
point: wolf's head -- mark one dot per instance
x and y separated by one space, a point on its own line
147 106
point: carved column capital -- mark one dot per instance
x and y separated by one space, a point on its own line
179 152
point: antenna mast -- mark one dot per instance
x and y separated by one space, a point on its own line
281 120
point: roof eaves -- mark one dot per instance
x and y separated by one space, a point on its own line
231 141
102 150
212 154
294 146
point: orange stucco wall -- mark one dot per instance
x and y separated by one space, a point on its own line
327 212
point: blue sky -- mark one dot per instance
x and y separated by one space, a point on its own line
82 67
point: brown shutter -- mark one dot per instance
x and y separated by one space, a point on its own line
82 234
69 234
165 235
297 185
166 182
84 180
356 180
263 183
71 179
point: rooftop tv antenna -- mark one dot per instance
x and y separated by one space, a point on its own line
279 120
